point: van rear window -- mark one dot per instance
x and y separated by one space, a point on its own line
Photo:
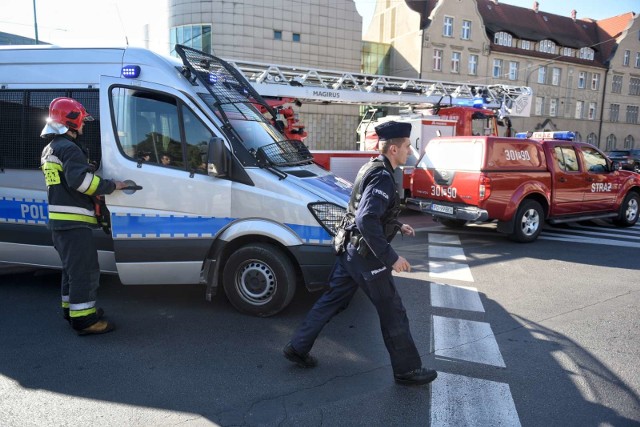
453 155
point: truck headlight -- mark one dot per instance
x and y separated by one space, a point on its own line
328 215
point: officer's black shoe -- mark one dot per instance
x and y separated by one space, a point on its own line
416 377
302 360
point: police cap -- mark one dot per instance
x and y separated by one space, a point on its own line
391 129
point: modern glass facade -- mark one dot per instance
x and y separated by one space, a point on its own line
195 36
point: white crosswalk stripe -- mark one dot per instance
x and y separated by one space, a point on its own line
596 235
458 400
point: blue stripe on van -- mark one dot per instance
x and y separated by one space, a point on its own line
23 211
147 226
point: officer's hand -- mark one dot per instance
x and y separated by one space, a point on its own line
401 265
407 230
120 185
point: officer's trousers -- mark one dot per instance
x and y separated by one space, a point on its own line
378 285
80 274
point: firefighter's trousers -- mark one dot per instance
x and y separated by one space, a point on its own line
80 274
351 271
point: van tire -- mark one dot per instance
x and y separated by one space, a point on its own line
259 279
628 211
452 223
528 222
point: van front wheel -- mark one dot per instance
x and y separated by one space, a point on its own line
528 222
259 279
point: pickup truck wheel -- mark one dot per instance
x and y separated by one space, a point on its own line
628 211
528 222
259 279
452 223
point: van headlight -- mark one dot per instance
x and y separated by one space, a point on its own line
328 215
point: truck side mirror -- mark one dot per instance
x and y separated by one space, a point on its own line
218 158
615 166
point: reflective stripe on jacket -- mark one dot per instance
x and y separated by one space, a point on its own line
70 184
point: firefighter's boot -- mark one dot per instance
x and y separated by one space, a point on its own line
100 327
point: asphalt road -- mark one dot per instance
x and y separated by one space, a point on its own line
558 344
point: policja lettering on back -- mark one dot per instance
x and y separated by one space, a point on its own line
365 259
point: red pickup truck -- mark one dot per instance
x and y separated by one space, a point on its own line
521 183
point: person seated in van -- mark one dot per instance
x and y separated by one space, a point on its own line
165 159
144 156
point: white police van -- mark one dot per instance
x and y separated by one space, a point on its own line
236 205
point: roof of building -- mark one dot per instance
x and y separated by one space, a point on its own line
529 24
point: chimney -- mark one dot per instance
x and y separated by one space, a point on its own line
535 6
573 15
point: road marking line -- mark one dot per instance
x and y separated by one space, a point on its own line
466 340
589 240
456 297
450 270
447 252
463 401
451 239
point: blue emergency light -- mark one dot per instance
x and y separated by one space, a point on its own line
213 78
131 71
561 135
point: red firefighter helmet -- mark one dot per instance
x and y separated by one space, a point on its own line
65 114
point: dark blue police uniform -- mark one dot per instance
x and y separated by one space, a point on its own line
369 269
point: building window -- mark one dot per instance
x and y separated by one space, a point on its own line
578 136
466 30
525 44
447 29
473 65
277 35
611 142
553 107
539 106
638 60
595 81
503 39
616 85
614 111
592 111
592 139
626 58
195 36
567 51
582 80
628 142
542 75
632 115
296 37
586 53
513 70
555 76
497 68
634 86
547 46
437 60
579 109
455 62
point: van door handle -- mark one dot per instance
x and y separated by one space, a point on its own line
563 179
589 179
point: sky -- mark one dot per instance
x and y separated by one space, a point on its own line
116 22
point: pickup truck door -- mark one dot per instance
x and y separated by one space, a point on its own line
601 183
568 180
161 233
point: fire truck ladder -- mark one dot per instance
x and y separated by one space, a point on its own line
325 86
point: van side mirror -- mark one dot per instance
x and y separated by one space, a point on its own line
218 158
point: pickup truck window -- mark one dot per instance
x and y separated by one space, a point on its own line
594 160
453 155
566 159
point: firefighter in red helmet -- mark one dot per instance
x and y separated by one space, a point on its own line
71 183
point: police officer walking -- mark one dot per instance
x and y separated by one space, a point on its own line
71 183
366 259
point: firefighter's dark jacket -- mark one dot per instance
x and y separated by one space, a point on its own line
376 204
71 183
